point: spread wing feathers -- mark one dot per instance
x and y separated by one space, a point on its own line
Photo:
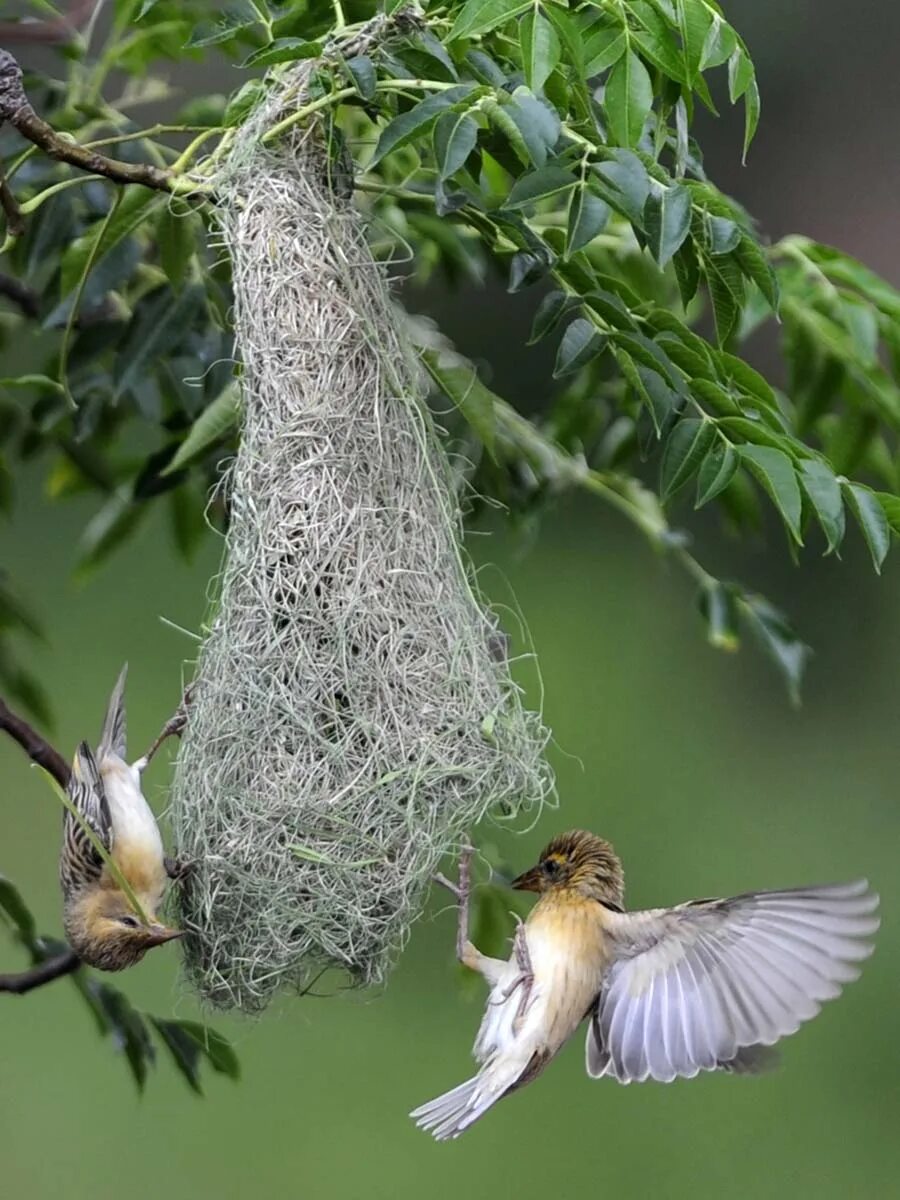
711 983
79 863
113 736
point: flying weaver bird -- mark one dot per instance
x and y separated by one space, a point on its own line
708 985
102 927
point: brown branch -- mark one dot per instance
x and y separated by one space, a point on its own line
24 297
37 749
16 109
60 30
41 973
15 222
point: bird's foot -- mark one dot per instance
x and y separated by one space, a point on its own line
174 727
179 870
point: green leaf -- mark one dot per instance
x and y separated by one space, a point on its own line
687 272
570 36
694 23
777 639
627 184
824 492
243 102
525 269
723 233
135 206
127 1028
872 521
540 48
189 1043
151 331
890 506
667 220
455 135
216 421
580 344
748 380
685 450
362 71
726 290
282 50
229 20
539 185
175 238
17 910
775 472
480 16
755 266
659 399
627 99
459 382
588 215
716 472
605 40
415 120
549 313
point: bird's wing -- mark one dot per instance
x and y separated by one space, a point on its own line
707 984
80 864
113 735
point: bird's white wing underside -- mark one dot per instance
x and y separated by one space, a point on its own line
694 986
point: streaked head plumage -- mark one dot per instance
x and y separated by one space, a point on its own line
104 931
580 862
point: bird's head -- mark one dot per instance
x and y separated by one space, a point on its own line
577 862
105 932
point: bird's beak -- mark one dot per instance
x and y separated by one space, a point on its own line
158 934
529 881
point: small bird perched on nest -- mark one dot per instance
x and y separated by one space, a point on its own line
667 992
101 925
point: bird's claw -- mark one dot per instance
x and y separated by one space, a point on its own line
178 869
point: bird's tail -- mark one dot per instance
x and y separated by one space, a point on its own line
113 736
448 1115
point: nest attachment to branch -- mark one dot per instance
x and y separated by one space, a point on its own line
349 721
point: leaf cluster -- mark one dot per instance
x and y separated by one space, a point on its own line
192 1046
545 142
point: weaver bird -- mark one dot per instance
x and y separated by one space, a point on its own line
102 927
708 985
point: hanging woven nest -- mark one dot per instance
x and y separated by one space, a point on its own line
349 721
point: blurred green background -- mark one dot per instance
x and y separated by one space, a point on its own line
690 761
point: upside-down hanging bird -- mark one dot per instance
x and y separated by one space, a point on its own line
666 992
100 923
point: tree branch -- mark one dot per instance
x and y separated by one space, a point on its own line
15 222
43 972
37 749
16 109
25 299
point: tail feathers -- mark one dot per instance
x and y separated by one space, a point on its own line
113 739
448 1115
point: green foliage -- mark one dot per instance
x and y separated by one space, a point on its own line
546 140
191 1045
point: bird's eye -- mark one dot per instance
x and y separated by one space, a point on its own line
551 868
131 922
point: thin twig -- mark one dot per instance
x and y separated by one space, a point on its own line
15 222
24 297
16 109
37 748
41 973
